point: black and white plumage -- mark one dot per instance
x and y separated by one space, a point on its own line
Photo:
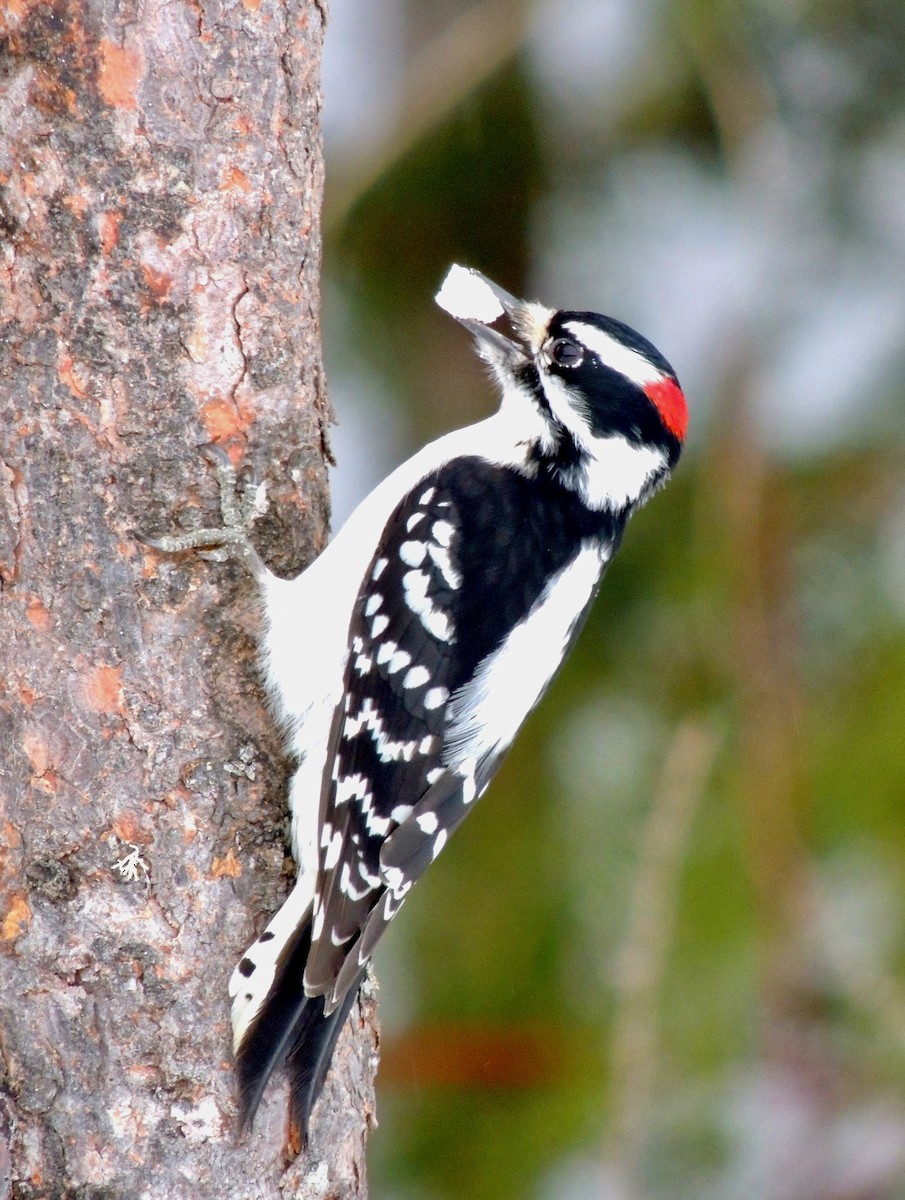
407 656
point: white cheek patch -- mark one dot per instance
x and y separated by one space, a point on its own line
630 363
614 471
562 401
618 473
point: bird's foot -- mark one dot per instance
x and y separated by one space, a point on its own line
241 503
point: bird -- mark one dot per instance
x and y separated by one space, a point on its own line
404 659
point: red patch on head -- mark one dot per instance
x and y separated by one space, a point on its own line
670 402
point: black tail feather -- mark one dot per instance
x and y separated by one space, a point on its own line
290 1027
273 1031
310 1057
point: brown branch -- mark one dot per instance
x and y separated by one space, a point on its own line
639 972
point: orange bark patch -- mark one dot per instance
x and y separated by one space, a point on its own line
71 374
119 75
108 228
235 178
251 5
43 778
13 12
16 919
157 282
128 830
11 837
180 794
104 689
77 204
222 420
38 753
38 613
229 866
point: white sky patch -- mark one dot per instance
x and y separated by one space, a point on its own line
604 751
810 393
364 57
714 275
369 436
613 51
672 257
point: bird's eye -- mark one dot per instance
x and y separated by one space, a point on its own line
566 353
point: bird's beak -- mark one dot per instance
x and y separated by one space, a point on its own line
507 331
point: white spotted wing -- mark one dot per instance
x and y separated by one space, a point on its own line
432 699
388 739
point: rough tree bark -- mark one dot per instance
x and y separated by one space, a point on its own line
159 213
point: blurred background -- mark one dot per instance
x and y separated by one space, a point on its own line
665 958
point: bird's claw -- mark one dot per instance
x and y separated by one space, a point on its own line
241 503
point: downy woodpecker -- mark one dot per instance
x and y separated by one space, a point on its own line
404 660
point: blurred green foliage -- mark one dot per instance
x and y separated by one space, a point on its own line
666 956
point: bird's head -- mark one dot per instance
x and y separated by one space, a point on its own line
613 414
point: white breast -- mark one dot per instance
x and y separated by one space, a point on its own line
485 714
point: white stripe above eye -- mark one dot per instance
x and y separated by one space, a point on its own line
630 363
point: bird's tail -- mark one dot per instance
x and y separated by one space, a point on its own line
274 1022
312 1052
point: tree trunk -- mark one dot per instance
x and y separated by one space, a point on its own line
160 183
